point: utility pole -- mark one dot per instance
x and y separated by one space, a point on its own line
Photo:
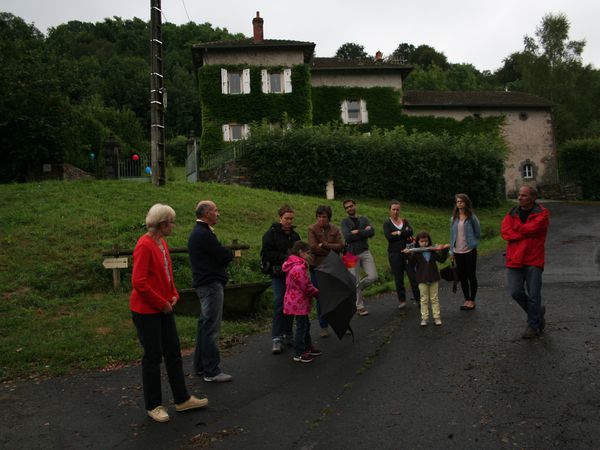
157 97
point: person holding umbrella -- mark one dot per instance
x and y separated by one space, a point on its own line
297 301
323 237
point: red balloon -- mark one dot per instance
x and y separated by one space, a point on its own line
135 157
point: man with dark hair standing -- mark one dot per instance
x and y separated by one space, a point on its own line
357 230
209 261
524 228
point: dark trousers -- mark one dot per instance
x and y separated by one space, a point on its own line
158 335
466 268
302 341
313 279
282 323
399 265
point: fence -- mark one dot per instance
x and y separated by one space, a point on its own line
134 170
233 152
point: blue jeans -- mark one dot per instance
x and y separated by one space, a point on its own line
206 356
282 323
530 278
302 340
313 279
158 335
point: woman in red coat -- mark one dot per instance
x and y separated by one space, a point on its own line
152 299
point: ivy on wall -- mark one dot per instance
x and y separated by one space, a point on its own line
383 105
385 112
219 108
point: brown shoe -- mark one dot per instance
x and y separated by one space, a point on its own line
159 414
362 312
324 333
191 403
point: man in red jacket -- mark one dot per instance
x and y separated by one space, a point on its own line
524 228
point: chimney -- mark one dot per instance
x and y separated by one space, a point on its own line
378 56
257 24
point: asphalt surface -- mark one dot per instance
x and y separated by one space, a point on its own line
472 383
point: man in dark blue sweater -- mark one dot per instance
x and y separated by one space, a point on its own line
209 260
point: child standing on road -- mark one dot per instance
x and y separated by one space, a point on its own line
423 258
297 301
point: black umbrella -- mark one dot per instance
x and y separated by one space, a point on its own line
337 293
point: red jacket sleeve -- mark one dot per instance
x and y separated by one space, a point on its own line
141 281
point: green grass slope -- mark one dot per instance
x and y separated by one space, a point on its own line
58 309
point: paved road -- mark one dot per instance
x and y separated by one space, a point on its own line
470 384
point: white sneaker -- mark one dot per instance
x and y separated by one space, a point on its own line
437 321
159 414
220 378
424 322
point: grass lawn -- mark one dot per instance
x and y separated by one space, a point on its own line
58 310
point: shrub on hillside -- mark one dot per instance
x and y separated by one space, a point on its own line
418 167
579 161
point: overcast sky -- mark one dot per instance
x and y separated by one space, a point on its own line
479 32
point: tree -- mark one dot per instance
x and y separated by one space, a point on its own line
552 41
34 113
351 51
403 53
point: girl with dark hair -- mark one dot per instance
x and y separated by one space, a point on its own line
465 231
424 258
297 300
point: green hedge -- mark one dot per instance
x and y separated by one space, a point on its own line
579 161
218 108
418 167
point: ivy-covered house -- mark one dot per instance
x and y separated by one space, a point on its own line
251 80
256 80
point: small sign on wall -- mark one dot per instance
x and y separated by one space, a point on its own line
46 168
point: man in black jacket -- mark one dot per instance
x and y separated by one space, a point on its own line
209 261
276 244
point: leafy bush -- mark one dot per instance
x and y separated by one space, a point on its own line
579 161
417 167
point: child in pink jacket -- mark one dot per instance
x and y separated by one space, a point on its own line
297 300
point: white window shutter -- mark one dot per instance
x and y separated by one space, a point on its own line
224 82
246 81
364 114
226 135
245 131
287 80
344 109
265 82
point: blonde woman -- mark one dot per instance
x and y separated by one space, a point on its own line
153 296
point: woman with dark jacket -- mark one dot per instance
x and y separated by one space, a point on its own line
276 245
399 234
153 297
465 231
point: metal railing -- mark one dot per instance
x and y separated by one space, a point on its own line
233 152
131 169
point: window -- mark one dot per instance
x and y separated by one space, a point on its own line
235 82
354 111
235 132
527 171
276 82
523 116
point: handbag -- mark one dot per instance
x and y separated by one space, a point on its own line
449 274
